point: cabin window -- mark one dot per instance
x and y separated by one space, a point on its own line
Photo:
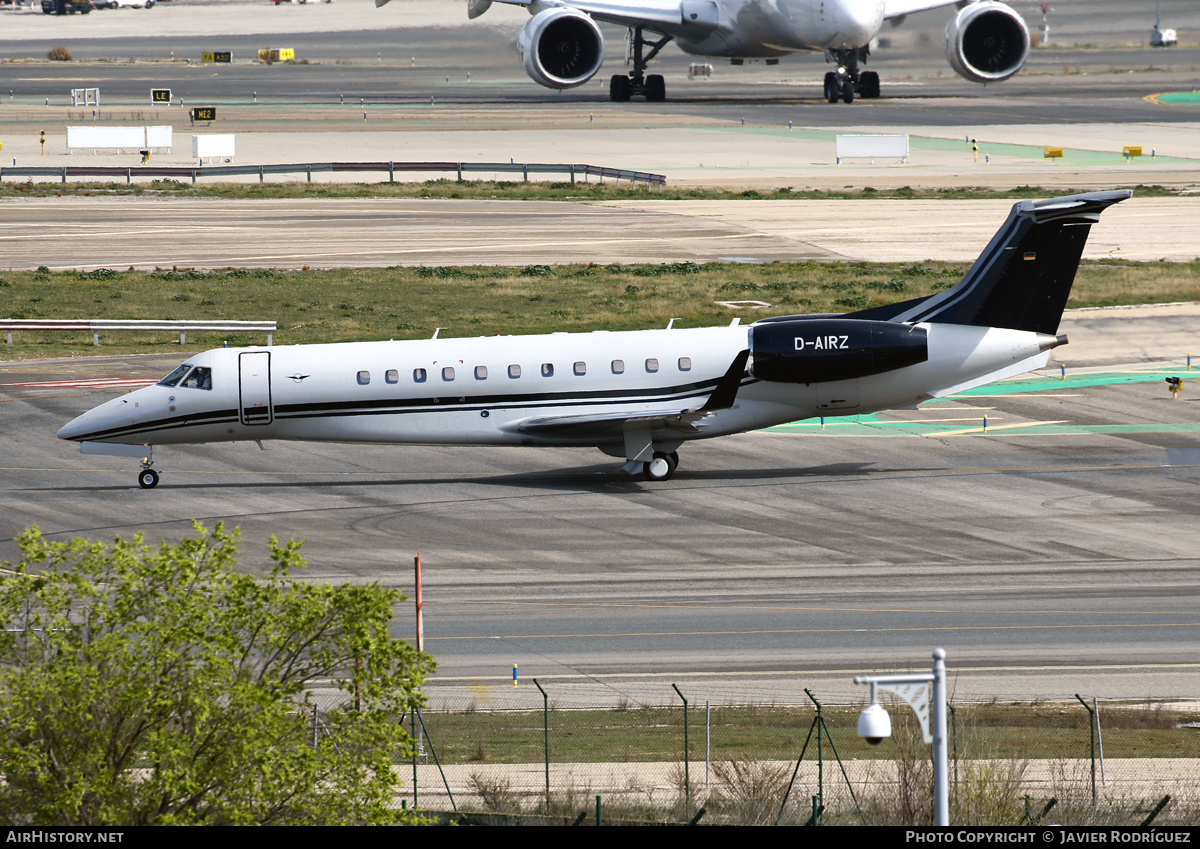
580 369
514 371
685 363
200 378
481 372
175 376
448 373
392 376
364 377
419 375
652 364
618 366
547 369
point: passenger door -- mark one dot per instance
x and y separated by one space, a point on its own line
254 386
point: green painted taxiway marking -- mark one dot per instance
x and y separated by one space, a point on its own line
1175 98
1043 383
866 428
871 425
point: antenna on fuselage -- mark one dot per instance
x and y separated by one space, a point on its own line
436 331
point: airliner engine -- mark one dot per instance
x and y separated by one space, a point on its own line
815 350
987 42
561 48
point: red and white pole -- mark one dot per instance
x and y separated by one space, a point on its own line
420 604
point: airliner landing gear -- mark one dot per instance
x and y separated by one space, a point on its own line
147 477
652 87
847 81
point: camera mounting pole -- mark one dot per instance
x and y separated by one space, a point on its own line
925 693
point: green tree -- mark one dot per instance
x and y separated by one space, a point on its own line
143 685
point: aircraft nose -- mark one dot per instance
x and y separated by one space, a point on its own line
857 21
78 427
90 424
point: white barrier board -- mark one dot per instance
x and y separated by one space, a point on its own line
92 137
212 145
160 137
872 147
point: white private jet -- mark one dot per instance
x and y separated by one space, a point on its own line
561 46
636 394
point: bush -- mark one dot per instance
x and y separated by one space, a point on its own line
59 54
160 686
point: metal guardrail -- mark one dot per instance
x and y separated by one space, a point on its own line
94 326
309 168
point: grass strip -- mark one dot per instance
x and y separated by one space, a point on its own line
403 302
1017 730
518 190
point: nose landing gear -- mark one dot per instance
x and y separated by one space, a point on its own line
844 83
147 477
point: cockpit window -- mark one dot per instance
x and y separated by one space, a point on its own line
174 377
200 378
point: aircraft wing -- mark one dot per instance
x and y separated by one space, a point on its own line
656 15
611 425
900 8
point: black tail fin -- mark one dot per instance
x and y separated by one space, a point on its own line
1022 279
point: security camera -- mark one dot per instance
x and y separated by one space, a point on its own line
874 724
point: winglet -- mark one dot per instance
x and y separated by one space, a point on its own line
723 396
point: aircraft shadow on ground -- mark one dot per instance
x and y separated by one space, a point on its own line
580 478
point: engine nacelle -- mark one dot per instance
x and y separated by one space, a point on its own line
987 42
561 48
818 350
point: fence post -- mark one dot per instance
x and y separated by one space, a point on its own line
687 783
707 743
545 738
415 738
436 760
953 752
1092 728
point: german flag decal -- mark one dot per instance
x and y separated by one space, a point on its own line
1030 255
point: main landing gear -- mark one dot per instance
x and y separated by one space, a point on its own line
847 81
662 466
652 87
147 477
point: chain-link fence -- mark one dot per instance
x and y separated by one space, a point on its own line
1069 761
